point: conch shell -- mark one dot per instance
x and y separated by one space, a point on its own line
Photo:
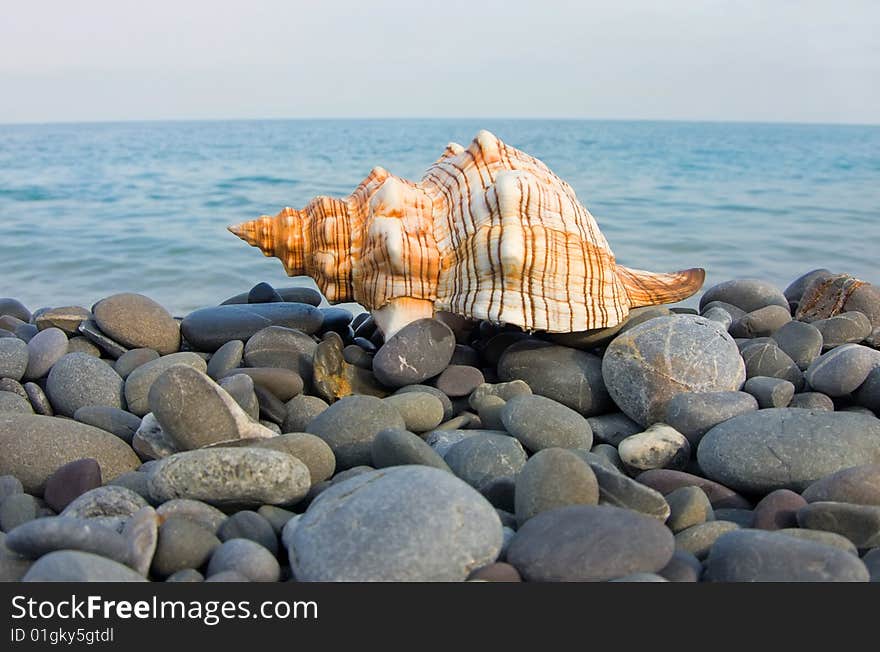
488 233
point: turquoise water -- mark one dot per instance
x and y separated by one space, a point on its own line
91 209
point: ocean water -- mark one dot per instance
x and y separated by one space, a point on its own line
87 210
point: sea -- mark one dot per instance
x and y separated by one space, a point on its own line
88 210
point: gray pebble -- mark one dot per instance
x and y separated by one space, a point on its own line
44 350
131 360
13 358
300 412
141 379
421 411
770 392
539 422
246 557
79 379
400 447
76 566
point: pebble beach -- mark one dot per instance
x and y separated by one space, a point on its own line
273 438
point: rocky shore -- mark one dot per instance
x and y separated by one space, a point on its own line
271 439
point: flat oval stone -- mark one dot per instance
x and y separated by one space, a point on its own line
308 449
802 342
247 524
183 543
300 411
418 351
109 500
746 294
17 510
79 379
247 558
14 308
136 321
693 414
297 294
139 381
34 447
231 476
421 411
407 523
762 322
38 399
645 367
539 422
699 539
131 360
667 480
770 392
659 447
70 481
13 358
787 448
285 348
767 359
859 485
584 543
551 478
758 556
119 422
44 350
778 510
210 328
843 328
459 380
842 370
400 447
812 401
350 425
688 506
44 535
225 359
283 383
76 566
612 428
14 404
487 462
858 523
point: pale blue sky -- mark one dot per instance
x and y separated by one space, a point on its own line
749 60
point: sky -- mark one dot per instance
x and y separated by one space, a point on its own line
718 60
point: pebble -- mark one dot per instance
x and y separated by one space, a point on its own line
297 294
821 536
119 422
263 293
858 523
14 308
842 370
770 392
38 400
225 359
241 388
210 328
79 379
16 510
553 477
589 543
660 446
568 376
350 425
141 379
400 447
796 288
612 428
13 403
693 414
459 380
683 567
105 501
539 422
778 510
688 506
868 393
334 377
490 411
866 300
207 516
812 401
134 481
418 351
9 486
859 485
287 348
44 535
490 464
618 490
872 561
13 358
247 558
843 328
44 350
194 411
787 448
742 517
67 318
276 516
136 321
758 556
308 449
699 539
35 446
108 346
645 367
442 440
718 314
283 383
131 360
504 391
408 523
14 387
80 344
767 359
249 525
666 481
353 354
300 412
762 322
76 566
70 481
26 332
421 411
270 408
745 294
231 477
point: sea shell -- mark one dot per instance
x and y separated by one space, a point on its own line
488 233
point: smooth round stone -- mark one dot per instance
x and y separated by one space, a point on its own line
76 566
787 448
79 379
210 328
136 322
497 572
762 322
553 477
612 428
26 332
295 294
868 393
610 453
14 308
194 411
718 314
16 510
269 407
44 350
666 481
433 391
489 463
353 354
822 537
246 557
683 567
350 425
406 523
699 539
80 344
466 356
336 319
584 543
688 506
300 412
843 328
280 347
539 422
14 404
866 300
400 447
308 449
645 367
795 290
693 414
276 516
109 500
119 422
260 477
9 486
13 358
859 485
141 379
186 575
263 293
778 510
758 556
418 351
504 391
842 370
459 380
802 342
442 440
421 411
660 446
812 401
44 535
70 481
38 400
769 392
283 383
767 359
131 360
249 525
568 376
241 388
201 513
746 294
618 490
14 387
35 446
134 481
225 359
67 318
490 413
858 523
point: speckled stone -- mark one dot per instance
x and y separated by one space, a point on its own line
490 464
859 485
13 358
38 399
14 404
44 535
300 411
770 392
421 411
842 370
79 379
140 379
551 478
812 401
539 422
44 350
131 360
659 447
136 321
207 516
843 328
767 359
108 500
308 449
